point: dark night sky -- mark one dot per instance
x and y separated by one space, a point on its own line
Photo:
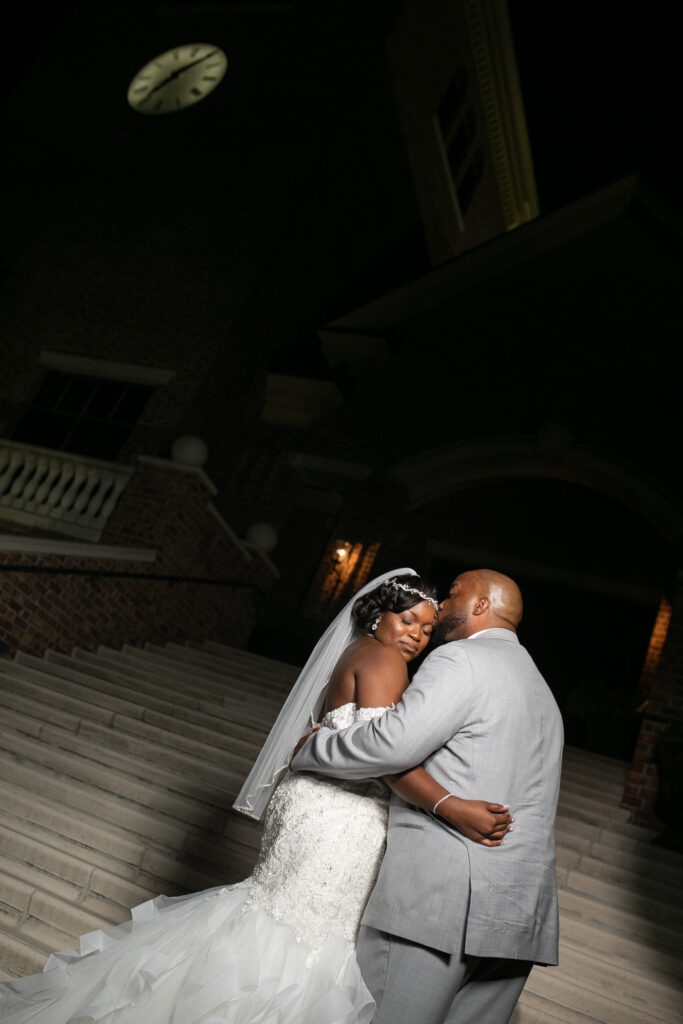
598 81
600 86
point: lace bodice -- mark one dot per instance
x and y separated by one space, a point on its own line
322 845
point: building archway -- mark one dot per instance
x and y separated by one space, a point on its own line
594 546
550 456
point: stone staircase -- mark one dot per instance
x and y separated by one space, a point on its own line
118 773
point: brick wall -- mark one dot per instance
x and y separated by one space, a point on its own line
662 709
162 508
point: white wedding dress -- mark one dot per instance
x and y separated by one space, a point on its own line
277 948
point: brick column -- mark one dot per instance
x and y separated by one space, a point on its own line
370 515
662 708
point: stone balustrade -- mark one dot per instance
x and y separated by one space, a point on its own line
57 491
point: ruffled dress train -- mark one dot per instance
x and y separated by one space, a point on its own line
278 948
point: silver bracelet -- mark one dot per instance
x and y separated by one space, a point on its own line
441 801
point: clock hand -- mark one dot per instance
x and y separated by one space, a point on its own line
176 73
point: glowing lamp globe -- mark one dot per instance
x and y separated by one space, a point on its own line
263 536
189 450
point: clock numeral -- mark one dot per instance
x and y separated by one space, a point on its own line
208 78
158 105
195 91
194 51
141 88
216 64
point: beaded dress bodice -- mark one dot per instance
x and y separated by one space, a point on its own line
322 845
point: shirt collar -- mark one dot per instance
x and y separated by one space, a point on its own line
495 629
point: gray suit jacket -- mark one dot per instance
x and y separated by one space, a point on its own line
484 723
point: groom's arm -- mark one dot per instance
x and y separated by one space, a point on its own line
433 708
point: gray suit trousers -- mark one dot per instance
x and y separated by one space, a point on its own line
412 983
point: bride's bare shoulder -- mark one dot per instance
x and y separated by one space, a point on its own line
368 673
366 652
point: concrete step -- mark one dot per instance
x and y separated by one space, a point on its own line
640 863
159 697
533 1009
643 847
627 923
596 1002
32 893
78 757
45 690
158 762
191 740
598 860
278 678
120 768
80 703
625 979
591 810
602 941
584 785
645 899
218 684
168 747
135 685
197 861
249 660
624 840
20 956
147 821
50 869
602 761
142 669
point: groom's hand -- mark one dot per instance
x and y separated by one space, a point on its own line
479 820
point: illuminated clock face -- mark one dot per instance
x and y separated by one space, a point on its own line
177 79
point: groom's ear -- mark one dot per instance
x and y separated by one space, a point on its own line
481 606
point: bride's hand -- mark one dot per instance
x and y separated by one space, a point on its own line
303 739
479 820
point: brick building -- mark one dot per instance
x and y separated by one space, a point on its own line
333 270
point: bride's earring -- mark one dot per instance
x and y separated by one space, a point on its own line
375 624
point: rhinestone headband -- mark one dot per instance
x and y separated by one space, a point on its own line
413 590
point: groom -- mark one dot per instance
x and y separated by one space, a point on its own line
452 928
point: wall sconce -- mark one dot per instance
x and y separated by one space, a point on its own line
341 553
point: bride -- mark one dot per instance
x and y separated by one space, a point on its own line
279 946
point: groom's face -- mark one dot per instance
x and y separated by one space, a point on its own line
455 615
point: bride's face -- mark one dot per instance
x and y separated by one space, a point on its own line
407 631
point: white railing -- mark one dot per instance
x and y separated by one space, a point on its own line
63 493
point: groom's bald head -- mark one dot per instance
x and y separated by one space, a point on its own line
480 599
505 597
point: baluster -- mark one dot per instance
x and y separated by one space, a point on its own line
55 498
16 458
5 457
54 468
93 478
35 481
109 505
64 508
22 479
95 504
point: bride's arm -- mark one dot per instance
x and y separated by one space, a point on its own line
479 820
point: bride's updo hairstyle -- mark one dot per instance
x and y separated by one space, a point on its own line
391 596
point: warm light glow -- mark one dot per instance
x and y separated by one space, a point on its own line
342 551
657 641
341 559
